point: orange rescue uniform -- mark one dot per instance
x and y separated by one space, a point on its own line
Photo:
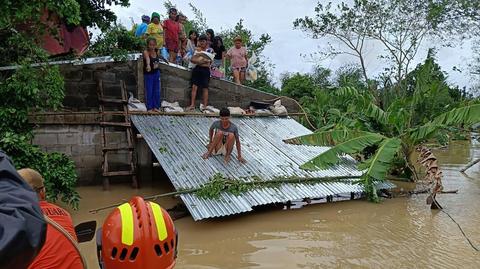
57 252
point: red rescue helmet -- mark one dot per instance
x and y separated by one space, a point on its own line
138 234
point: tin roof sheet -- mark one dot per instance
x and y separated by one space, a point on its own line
178 143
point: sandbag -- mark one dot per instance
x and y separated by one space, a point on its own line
236 110
278 109
171 107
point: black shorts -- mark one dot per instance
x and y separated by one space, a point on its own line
201 76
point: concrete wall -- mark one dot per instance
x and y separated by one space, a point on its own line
78 135
81 82
83 144
81 86
176 87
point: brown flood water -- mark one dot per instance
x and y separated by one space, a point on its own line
396 233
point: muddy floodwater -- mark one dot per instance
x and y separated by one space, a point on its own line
396 233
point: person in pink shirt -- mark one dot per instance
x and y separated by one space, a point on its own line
239 60
172 32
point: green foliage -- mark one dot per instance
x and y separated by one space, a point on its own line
56 168
386 133
299 86
96 13
326 138
116 41
35 88
350 146
398 26
219 183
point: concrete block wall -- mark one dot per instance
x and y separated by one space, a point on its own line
176 87
82 143
81 86
81 82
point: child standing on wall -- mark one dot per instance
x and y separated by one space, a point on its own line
239 61
151 75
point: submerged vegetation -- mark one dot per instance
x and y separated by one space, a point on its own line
218 183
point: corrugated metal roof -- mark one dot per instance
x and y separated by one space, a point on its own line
178 142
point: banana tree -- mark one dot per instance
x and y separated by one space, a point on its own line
396 138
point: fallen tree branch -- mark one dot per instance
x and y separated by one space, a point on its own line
226 183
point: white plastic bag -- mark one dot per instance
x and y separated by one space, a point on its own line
134 104
251 72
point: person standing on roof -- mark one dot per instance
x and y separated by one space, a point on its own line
142 28
155 30
223 135
58 251
172 33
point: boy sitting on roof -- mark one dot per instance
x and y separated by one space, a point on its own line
223 134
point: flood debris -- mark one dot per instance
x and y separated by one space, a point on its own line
433 175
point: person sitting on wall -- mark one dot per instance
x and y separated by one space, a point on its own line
223 135
60 249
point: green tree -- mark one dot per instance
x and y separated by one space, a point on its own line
400 26
299 86
96 13
26 88
390 136
116 41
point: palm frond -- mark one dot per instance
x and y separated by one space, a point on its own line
350 146
467 115
325 138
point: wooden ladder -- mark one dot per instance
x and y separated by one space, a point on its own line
106 122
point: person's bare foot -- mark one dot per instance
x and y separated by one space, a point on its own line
206 155
190 108
227 159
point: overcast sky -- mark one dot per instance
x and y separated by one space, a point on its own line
276 17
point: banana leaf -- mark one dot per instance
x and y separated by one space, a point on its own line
467 115
353 145
377 166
